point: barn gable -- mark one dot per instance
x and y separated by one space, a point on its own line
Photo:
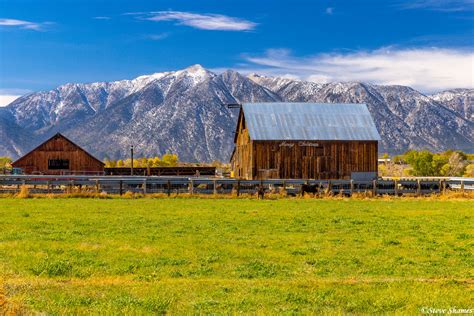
57 154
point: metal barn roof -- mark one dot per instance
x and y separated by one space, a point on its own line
309 121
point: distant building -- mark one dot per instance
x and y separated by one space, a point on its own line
305 141
58 155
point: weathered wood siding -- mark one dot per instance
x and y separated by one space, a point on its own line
58 147
307 159
242 159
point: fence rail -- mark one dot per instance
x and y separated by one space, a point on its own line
192 185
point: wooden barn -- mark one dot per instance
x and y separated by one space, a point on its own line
305 141
58 155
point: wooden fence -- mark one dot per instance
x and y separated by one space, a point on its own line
193 185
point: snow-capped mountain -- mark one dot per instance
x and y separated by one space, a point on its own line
183 112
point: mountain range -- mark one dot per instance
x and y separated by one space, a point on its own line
184 112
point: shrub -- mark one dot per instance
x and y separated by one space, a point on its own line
128 195
24 193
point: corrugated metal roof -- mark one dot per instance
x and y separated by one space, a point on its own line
309 121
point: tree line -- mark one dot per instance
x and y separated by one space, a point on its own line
167 160
423 163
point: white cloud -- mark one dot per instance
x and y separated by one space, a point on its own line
439 5
102 18
329 11
7 96
27 25
157 37
202 21
426 69
7 99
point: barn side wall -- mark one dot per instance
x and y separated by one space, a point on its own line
311 159
58 148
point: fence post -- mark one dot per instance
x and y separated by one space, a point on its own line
395 188
121 187
374 187
418 187
238 187
352 187
169 187
444 186
214 187
329 187
320 188
462 186
191 186
144 186
97 189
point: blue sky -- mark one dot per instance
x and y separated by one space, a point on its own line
427 44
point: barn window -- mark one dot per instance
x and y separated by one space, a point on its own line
55 164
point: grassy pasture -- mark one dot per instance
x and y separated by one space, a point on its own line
184 256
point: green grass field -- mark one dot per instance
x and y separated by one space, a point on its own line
182 256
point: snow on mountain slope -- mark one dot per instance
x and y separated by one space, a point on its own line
459 100
183 112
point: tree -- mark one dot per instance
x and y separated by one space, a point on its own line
400 159
149 162
437 163
143 162
156 162
110 163
449 152
455 165
469 172
120 163
421 162
128 163
170 160
5 162
391 169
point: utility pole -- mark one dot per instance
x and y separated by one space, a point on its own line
131 165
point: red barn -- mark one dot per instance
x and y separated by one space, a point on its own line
59 155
